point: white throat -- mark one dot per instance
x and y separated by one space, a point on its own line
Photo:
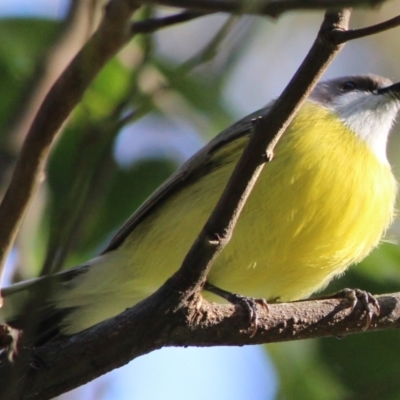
369 116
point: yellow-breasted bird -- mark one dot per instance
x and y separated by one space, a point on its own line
322 204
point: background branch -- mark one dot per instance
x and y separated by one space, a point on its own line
153 24
75 30
262 7
69 38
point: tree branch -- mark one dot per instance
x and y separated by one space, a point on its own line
153 24
262 7
351 34
149 326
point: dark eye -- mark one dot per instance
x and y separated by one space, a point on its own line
348 86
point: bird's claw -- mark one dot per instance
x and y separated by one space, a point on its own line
366 299
249 304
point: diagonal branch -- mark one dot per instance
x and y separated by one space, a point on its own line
218 229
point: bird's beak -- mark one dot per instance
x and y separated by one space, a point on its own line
392 89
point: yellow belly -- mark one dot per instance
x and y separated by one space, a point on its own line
322 204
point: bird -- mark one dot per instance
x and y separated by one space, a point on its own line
321 205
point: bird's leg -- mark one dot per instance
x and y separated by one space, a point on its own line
248 303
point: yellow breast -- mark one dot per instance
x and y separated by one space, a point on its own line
322 204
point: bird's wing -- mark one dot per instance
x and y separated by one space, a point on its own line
193 166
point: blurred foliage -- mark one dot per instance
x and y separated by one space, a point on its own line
89 194
20 55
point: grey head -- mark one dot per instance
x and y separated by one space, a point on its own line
327 91
367 104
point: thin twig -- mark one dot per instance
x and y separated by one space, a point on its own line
204 55
351 34
153 24
210 49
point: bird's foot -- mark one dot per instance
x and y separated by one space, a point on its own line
249 304
365 299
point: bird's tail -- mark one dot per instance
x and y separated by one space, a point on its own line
28 313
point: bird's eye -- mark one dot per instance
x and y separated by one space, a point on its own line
348 86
